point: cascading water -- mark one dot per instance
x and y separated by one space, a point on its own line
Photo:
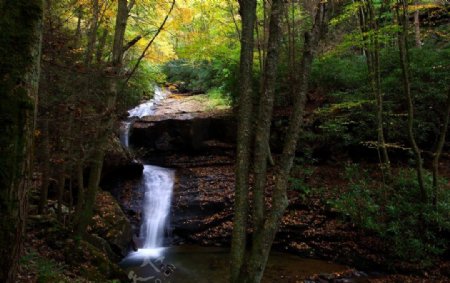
142 110
158 184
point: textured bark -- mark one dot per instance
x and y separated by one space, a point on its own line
20 45
264 118
119 33
264 233
245 106
401 12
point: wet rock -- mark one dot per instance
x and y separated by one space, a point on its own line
118 161
183 132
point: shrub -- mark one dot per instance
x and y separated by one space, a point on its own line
413 230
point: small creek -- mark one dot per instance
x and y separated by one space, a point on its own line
154 262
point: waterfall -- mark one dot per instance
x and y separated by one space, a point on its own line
125 133
145 109
158 184
148 108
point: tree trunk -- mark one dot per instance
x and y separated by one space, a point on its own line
369 25
92 36
262 131
437 153
264 234
101 46
417 38
404 62
103 132
119 32
245 106
45 151
20 46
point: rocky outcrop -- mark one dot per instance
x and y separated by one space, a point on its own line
183 132
118 161
111 224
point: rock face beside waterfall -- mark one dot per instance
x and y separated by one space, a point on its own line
111 224
184 132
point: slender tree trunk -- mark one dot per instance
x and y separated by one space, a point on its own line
80 194
264 234
119 33
78 30
371 48
244 134
104 132
417 37
437 153
45 151
262 131
401 11
92 36
101 46
20 50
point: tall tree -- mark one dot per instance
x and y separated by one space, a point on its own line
402 18
245 109
368 22
104 131
20 45
266 219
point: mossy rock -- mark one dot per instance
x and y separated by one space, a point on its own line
93 263
110 223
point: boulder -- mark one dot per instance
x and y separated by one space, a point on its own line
110 223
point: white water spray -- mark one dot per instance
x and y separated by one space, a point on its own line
148 108
158 184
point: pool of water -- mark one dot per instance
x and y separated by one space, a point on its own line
195 264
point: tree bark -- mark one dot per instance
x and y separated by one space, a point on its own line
404 62
119 33
369 25
20 50
437 153
417 36
103 132
264 118
264 233
244 134
92 36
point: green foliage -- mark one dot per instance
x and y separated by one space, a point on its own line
300 174
413 230
201 76
217 97
47 270
429 86
142 83
348 73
